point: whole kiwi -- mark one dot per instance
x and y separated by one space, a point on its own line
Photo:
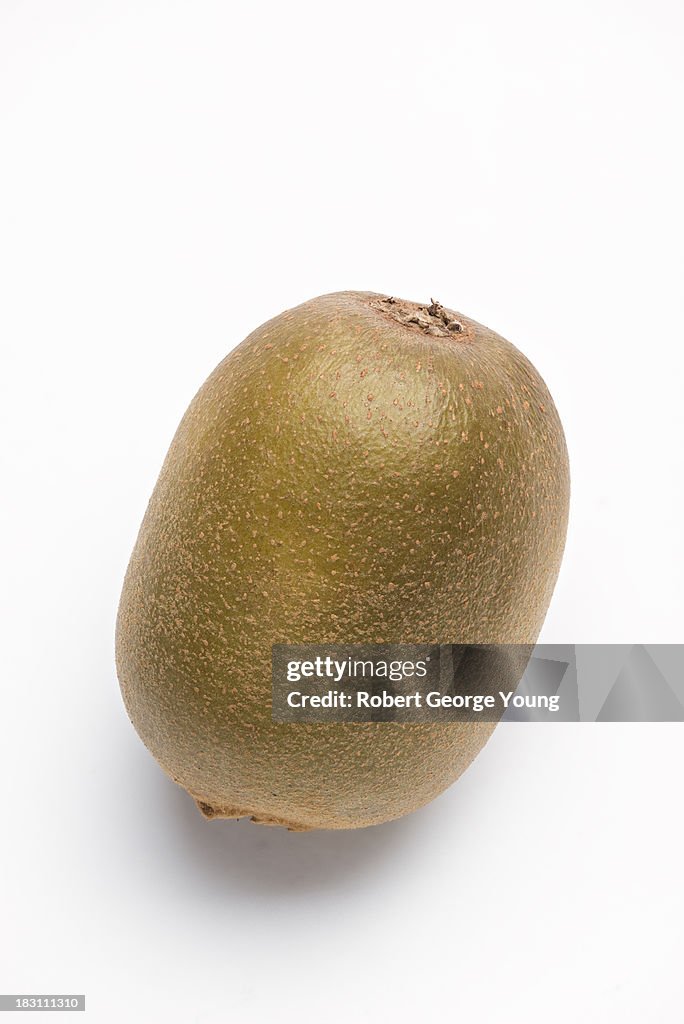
359 469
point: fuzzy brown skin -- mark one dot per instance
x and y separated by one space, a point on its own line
359 469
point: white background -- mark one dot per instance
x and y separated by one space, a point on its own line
175 173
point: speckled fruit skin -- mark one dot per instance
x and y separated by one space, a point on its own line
341 476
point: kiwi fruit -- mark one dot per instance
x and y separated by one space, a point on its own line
359 469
